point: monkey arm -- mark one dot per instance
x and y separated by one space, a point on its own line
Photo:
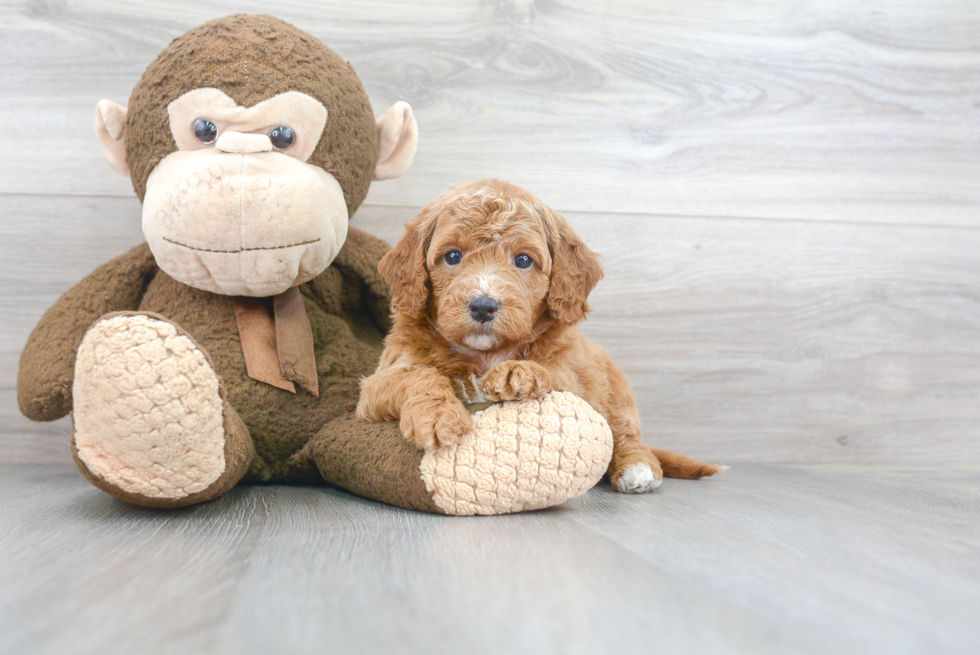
47 364
358 263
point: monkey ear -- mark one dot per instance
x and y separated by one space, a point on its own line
110 127
403 268
575 270
398 136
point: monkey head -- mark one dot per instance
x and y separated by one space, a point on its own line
250 144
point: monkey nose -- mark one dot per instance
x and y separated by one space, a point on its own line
482 309
242 143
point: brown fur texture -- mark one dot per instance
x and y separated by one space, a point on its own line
365 457
272 435
239 453
268 434
252 58
47 363
347 306
438 353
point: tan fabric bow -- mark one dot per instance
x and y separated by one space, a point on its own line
277 341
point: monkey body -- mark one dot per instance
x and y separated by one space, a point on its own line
281 424
230 346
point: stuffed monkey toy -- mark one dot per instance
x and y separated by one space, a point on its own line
229 347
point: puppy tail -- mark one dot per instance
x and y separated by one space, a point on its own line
676 465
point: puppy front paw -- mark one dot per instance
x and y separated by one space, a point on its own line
517 380
432 423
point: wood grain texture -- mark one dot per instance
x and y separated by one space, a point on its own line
745 340
830 110
786 199
771 559
660 133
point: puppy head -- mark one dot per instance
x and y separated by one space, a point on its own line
488 264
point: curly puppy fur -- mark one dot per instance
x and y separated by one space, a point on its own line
523 341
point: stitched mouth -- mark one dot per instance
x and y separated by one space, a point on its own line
231 252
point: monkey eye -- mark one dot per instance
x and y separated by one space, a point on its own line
282 137
523 261
205 130
453 257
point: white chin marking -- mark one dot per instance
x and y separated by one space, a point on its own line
637 479
480 341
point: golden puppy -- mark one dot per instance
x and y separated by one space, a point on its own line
489 286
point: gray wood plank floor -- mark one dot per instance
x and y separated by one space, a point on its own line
764 559
786 199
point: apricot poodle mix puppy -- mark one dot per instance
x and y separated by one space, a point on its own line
489 286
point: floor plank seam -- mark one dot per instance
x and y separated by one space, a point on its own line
588 212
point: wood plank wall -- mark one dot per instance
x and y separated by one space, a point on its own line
786 194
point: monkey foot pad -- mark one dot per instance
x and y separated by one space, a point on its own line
147 408
521 455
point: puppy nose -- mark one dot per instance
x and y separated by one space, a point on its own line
483 308
241 143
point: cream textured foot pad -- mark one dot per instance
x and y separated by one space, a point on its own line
521 455
147 411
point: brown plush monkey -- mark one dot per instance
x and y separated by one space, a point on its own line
251 144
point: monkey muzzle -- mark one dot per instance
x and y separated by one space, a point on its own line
242 219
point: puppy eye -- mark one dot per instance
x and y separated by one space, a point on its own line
205 130
453 257
282 137
523 261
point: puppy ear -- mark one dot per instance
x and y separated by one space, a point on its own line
403 268
575 270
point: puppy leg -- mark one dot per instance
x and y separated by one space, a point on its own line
637 468
517 380
431 414
634 468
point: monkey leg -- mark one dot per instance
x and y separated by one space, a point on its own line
151 426
521 455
